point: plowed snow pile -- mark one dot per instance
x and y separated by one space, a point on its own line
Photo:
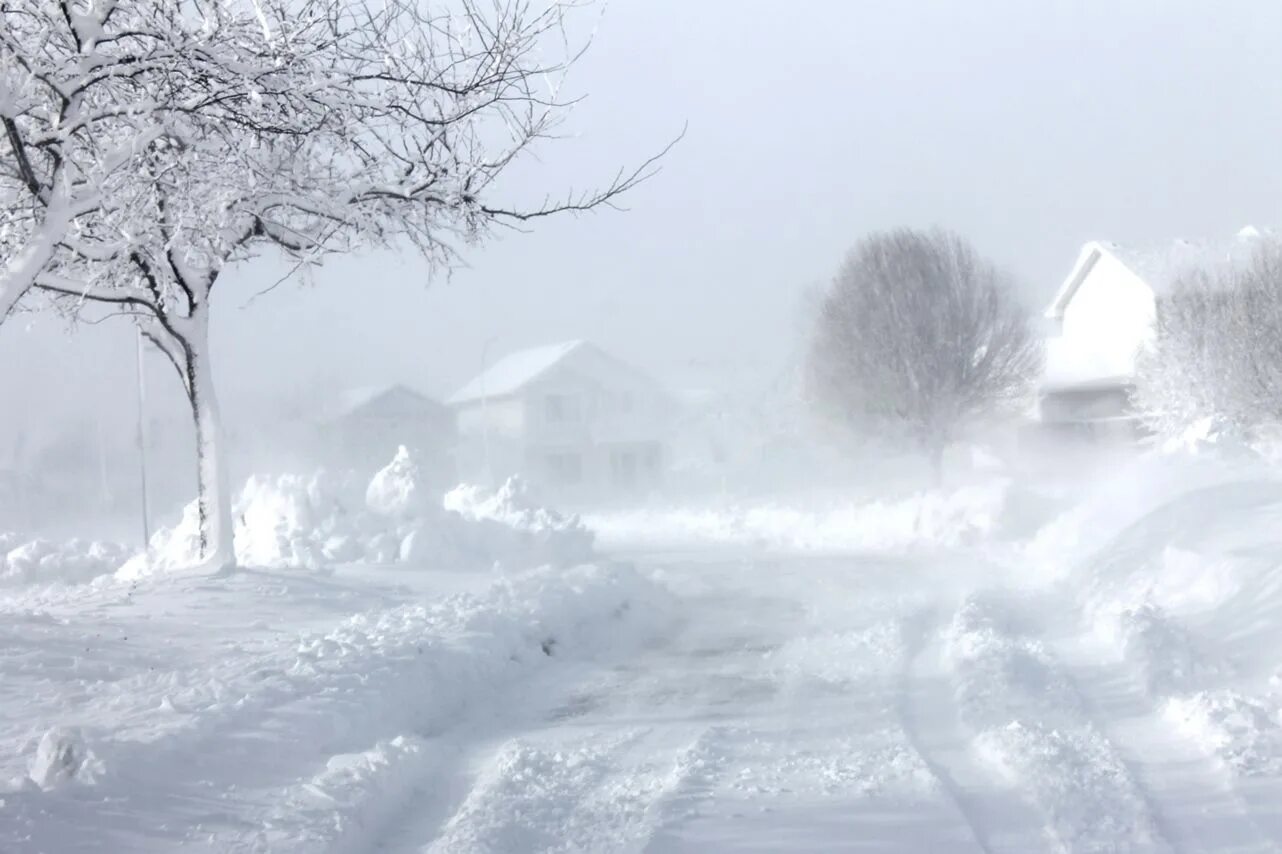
300 738
322 520
35 561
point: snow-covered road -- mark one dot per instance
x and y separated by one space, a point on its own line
743 728
844 704
939 698
854 705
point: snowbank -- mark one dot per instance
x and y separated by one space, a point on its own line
351 708
537 530
943 519
1161 500
37 561
1158 648
418 664
1173 566
322 520
1172 541
396 490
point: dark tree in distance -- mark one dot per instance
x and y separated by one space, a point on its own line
916 336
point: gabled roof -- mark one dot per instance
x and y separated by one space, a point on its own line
517 370
1159 267
514 371
354 400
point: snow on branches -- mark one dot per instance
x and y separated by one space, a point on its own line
154 144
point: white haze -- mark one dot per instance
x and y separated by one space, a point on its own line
1027 127
735 629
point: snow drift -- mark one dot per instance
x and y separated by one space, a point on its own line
318 521
1173 567
347 707
937 518
36 561
511 514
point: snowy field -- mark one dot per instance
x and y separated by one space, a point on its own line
952 672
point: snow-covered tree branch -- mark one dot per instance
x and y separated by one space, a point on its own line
308 127
916 335
86 90
1217 349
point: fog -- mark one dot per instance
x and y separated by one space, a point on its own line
772 505
1029 128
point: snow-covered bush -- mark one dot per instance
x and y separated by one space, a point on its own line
1211 433
1213 367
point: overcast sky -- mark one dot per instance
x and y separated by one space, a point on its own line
1029 127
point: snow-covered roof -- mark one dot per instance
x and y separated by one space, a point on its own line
355 399
514 371
1160 267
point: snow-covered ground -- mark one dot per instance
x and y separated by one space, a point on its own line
966 671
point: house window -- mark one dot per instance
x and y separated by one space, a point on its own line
623 468
561 408
565 468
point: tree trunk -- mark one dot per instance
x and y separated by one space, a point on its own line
213 494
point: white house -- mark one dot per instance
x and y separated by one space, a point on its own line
569 417
1102 317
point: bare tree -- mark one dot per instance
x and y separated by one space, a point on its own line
368 124
916 336
1217 348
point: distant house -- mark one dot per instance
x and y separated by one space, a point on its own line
568 417
366 425
1102 317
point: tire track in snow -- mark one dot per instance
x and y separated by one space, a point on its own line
1032 726
756 724
596 792
926 709
611 756
833 752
